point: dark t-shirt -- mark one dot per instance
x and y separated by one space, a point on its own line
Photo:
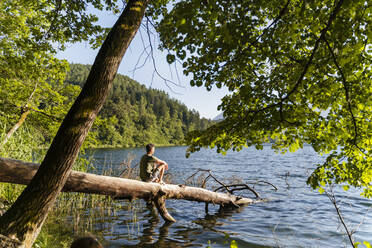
147 167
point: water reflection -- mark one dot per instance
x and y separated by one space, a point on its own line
175 235
149 237
209 221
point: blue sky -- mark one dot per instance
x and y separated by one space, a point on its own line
197 98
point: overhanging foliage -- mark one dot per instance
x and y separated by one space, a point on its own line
298 72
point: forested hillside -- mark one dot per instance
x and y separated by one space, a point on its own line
134 115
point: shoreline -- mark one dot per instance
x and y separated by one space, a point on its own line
132 147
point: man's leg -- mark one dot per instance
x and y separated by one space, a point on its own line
161 169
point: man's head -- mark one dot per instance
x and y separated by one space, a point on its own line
150 148
86 242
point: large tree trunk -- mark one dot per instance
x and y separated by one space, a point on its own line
15 171
24 219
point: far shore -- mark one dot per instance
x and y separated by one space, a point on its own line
129 147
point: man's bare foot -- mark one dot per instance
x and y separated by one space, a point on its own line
162 182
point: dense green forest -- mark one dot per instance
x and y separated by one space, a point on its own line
134 115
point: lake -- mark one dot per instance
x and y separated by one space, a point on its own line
293 216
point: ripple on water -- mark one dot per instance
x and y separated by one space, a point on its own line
295 216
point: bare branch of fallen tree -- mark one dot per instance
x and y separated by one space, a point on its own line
238 187
230 188
265 182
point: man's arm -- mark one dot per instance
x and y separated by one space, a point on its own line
161 162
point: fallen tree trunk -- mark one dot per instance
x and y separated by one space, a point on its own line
19 172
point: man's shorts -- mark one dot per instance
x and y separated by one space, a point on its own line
154 175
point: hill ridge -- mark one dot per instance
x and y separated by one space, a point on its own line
135 115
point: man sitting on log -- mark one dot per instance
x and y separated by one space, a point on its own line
151 168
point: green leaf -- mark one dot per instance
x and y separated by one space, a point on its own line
234 244
367 244
171 58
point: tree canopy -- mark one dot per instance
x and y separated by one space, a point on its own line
31 77
298 73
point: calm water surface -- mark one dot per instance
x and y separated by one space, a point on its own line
294 216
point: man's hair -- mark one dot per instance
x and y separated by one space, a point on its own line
86 242
149 147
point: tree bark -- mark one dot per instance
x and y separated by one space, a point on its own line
23 221
15 171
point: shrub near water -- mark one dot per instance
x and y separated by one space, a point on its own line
77 214
20 146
